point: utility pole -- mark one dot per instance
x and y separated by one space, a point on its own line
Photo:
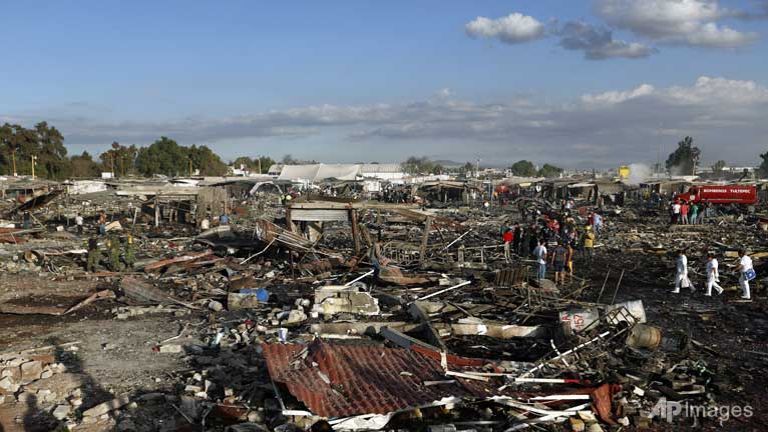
259 160
13 160
112 163
190 167
34 162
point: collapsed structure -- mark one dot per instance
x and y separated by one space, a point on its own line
366 310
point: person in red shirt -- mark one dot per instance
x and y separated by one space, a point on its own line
507 237
684 207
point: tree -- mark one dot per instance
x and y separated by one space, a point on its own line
468 168
684 159
257 163
718 166
19 144
265 163
164 156
244 161
419 165
550 171
84 166
52 155
119 159
206 161
523 168
762 170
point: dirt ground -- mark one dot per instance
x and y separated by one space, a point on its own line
104 357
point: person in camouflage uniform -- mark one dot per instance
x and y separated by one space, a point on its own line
114 253
130 252
94 255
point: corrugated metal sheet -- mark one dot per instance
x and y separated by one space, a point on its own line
319 215
345 380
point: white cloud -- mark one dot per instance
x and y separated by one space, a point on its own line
688 22
599 128
513 28
718 92
615 97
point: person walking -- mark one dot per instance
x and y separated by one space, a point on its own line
597 223
94 255
684 207
676 207
713 276
102 223
681 275
746 274
507 236
205 224
533 240
589 243
569 264
704 208
559 260
113 243
517 235
79 223
540 253
694 214
130 252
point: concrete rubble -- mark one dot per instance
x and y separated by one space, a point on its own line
338 313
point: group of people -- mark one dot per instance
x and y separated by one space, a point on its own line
205 223
120 252
560 228
745 270
684 213
121 255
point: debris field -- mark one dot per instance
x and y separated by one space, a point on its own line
337 313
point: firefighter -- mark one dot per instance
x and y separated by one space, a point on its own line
94 255
130 252
114 253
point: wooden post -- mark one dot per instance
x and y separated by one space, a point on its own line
425 240
355 231
157 212
288 220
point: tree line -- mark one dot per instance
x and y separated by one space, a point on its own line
43 145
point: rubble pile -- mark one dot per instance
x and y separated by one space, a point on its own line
344 314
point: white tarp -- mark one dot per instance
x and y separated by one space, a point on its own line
299 172
338 171
320 172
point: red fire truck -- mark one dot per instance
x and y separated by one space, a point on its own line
721 194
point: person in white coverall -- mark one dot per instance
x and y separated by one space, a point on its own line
681 277
713 275
745 266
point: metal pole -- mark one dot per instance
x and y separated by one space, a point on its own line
618 284
603 288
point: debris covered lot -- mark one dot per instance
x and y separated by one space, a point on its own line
338 314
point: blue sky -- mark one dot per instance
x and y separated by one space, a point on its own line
363 80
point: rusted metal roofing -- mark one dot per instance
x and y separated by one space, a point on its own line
346 380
